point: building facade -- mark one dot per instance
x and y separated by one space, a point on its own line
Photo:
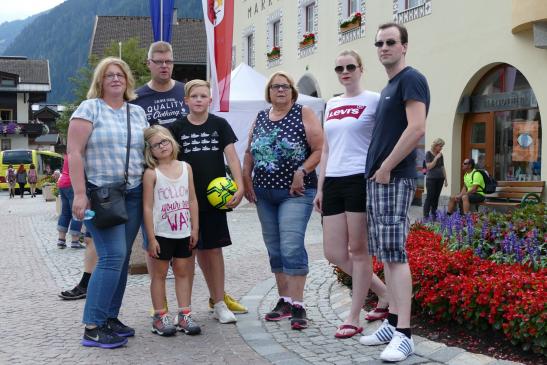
486 63
23 82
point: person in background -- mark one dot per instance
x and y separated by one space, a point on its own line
283 151
65 222
32 180
11 180
97 135
435 178
472 190
21 177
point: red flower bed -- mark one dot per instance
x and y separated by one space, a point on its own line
458 285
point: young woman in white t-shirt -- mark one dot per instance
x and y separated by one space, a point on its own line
341 191
171 221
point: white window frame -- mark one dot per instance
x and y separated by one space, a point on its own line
405 11
276 33
352 6
249 49
309 13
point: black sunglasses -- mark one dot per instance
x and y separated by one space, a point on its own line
389 43
466 163
339 69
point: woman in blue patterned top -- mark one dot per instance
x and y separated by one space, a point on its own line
97 136
284 149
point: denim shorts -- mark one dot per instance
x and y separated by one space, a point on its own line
284 219
387 211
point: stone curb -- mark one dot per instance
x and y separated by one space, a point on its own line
324 294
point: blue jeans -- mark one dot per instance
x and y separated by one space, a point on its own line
107 284
65 218
284 219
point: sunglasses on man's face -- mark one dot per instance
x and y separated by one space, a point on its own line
339 69
466 162
389 43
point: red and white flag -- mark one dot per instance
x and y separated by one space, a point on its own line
219 24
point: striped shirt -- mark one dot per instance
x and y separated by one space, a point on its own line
106 147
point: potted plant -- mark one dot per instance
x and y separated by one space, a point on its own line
48 185
275 53
308 39
351 22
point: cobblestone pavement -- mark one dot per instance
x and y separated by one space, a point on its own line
39 328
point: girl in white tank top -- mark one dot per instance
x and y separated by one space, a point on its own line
171 221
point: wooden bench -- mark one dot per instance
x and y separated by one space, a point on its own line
515 193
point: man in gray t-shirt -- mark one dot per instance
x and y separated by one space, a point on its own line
162 98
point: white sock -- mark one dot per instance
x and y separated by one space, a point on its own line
287 300
298 303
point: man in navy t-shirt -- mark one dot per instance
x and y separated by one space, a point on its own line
391 183
162 98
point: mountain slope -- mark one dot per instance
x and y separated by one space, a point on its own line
63 35
10 30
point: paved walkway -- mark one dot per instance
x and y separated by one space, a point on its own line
39 328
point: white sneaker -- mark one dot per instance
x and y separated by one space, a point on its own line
381 336
223 314
399 348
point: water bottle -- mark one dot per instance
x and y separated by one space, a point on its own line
88 214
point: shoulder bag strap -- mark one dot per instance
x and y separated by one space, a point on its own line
126 173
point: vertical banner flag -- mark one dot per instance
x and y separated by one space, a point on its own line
219 25
161 14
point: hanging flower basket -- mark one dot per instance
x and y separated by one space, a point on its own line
308 40
274 54
352 22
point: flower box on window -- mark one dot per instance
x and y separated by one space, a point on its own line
308 40
352 22
274 54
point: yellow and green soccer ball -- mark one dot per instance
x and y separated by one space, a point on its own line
220 191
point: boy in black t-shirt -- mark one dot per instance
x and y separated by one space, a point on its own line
205 140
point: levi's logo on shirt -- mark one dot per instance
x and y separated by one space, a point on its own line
344 111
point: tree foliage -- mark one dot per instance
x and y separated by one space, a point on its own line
135 57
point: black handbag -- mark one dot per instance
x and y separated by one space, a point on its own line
108 201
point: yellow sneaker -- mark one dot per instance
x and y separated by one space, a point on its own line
233 305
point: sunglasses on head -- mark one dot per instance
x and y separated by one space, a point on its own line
389 43
339 69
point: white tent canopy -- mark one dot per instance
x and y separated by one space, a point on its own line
247 99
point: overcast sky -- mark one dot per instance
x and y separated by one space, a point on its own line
21 9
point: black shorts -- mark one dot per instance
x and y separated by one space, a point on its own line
344 194
475 198
213 230
174 248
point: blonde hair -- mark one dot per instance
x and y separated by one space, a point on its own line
96 87
157 130
195 83
289 80
159 47
437 142
352 53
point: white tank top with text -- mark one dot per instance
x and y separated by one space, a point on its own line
171 209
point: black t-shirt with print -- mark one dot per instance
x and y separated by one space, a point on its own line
162 107
202 146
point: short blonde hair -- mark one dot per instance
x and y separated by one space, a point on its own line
157 130
195 83
159 47
289 80
96 87
437 142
